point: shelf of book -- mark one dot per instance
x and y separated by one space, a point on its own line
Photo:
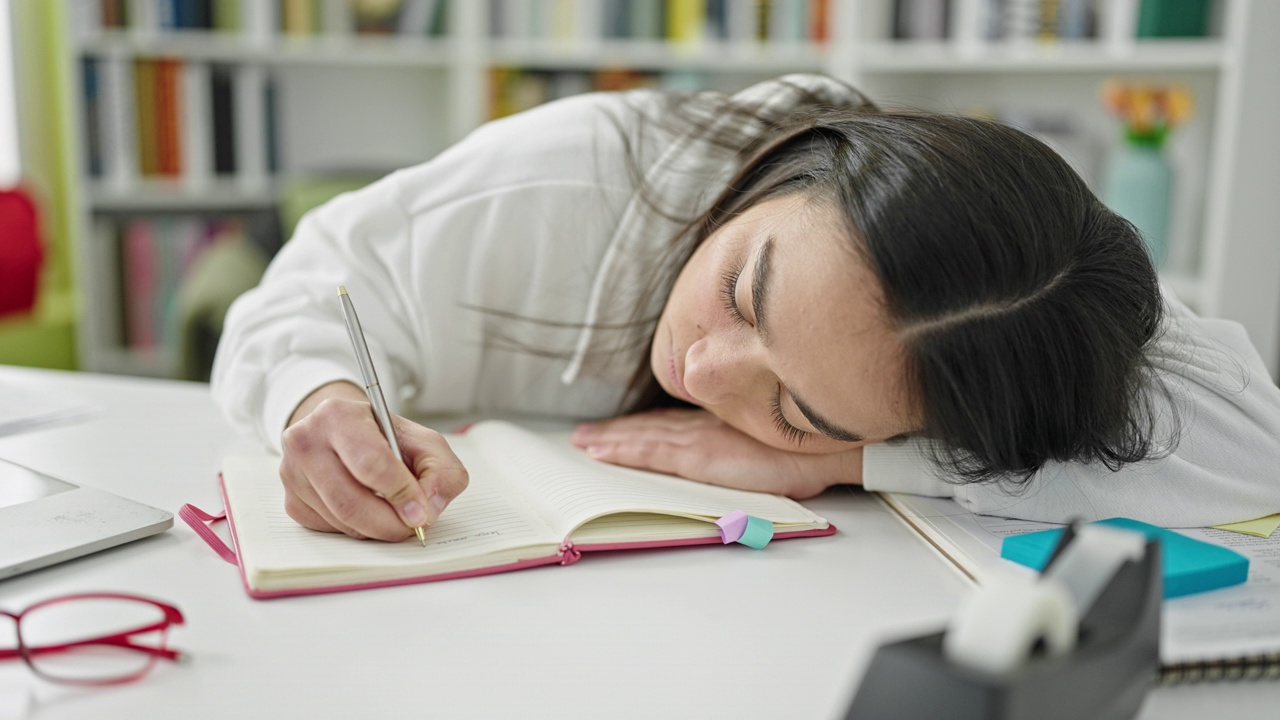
161 195
295 89
224 47
1204 55
660 55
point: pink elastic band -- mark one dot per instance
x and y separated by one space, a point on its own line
197 519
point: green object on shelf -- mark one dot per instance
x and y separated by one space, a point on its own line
1140 188
1173 18
217 277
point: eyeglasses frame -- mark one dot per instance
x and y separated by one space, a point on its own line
171 616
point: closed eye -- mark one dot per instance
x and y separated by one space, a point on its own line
789 432
729 294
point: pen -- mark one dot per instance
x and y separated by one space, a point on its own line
371 387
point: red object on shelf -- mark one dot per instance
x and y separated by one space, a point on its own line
21 252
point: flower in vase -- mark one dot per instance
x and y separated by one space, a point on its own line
1147 110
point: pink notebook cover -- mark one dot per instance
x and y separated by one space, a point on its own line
568 554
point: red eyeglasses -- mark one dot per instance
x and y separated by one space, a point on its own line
93 638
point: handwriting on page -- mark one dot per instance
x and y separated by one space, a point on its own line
483 519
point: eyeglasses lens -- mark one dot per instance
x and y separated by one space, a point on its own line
93 639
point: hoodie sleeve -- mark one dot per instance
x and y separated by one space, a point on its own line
489 223
286 338
1221 408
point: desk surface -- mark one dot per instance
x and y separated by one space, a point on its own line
701 632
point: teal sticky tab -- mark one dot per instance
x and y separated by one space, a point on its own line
1188 566
758 533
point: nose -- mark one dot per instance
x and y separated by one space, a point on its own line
716 370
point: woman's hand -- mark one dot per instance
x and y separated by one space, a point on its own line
697 445
336 463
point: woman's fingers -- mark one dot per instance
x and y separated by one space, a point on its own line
315 518
317 479
439 471
340 474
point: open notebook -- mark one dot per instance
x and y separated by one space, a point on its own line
533 500
1232 632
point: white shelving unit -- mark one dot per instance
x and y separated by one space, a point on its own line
373 104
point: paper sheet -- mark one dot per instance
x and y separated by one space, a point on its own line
1260 527
23 409
1232 622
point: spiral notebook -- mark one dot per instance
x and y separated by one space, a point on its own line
1232 633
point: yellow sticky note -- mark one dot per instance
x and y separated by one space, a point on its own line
1262 527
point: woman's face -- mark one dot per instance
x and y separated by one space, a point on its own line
776 326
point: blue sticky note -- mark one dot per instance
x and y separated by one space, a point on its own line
757 534
1188 566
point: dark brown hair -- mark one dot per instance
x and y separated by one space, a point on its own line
1025 305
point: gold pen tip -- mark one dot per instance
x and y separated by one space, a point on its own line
342 289
422 536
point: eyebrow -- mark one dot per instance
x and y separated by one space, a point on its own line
826 427
759 288
759 283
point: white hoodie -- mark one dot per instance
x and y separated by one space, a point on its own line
537 216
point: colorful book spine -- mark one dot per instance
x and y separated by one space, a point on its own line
788 21
1173 18
646 19
223 116
144 87
298 17
114 14
686 20
922 19
93 112
118 121
250 82
168 92
195 123
156 258
226 15
139 284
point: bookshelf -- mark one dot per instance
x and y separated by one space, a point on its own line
314 92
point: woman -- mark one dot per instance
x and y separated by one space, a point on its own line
827 294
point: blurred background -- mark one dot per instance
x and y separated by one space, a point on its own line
154 154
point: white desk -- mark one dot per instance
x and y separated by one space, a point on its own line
704 632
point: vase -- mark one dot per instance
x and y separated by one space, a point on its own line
1139 187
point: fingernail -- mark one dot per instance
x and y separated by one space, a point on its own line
437 504
583 430
596 451
413 513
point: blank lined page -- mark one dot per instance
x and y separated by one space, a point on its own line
575 488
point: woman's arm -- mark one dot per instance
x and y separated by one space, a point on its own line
697 445
286 338
1220 403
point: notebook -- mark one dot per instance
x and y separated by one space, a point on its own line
1233 632
533 500
45 520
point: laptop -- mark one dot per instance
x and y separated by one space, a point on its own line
45 520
